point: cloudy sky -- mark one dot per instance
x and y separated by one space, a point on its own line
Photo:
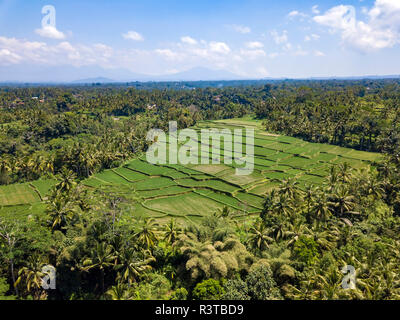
250 38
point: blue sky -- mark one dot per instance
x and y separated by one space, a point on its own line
252 38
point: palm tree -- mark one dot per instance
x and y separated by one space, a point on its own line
289 189
326 240
346 234
67 181
146 236
328 285
259 239
61 212
47 164
321 210
374 188
343 203
131 266
33 275
101 258
121 291
309 197
172 231
224 212
344 172
332 178
5 165
87 162
5 169
278 230
268 204
283 207
295 232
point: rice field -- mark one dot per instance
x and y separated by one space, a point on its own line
188 191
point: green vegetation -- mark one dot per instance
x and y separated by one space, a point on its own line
76 192
185 190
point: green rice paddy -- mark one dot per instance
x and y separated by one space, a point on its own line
192 190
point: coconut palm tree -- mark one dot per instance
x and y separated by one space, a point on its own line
295 231
146 236
67 181
309 198
322 209
101 258
131 266
343 202
171 232
289 189
258 237
61 212
332 178
283 207
326 240
121 291
5 170
32 275
373 187
344 172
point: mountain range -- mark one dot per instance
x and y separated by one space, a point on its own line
95 74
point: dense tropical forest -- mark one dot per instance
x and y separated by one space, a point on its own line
294 247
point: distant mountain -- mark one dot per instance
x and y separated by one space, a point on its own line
94 80
198 74
26 73
195 74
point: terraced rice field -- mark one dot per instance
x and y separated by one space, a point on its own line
192 190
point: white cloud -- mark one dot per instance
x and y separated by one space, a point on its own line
15 51
254 45
241 29
288 46
214 55
7 57
219 47
300 52
318 53
262 72
188 40
167 53
311 37
178 56
50 32
252 54
295 13
280 38
315 10
339 17
133 35
380 30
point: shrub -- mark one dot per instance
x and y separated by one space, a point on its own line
236 290
262 285
208 290
179 294
306 251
